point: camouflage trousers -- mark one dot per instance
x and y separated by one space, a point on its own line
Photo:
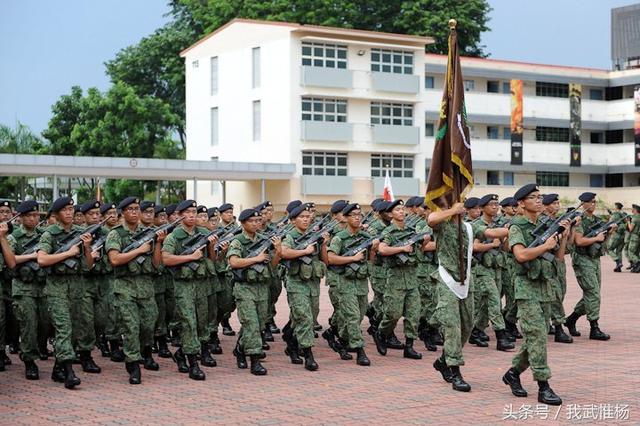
107 312
166 303
428 300
212 305
275 289
334 298
225 298
488 308
30 308
533 350
509 310
192 313
58 291
589 281
556 307
401 299
378 281
634 248
351 310
304 305
252 302
615 245
9 328
455 317
87 315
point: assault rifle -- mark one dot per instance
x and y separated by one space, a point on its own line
255 249
403 257
73 239
227 237
553 228
494 251
10 223
199 241
602 227
367 219
361 244
148 235
30 247
312 237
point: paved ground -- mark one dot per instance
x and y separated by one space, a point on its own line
596 380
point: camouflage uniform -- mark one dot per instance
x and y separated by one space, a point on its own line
378 272
224 296
134 294
533 292
331 280
586 265
634 240
616 240
427 286
275 284
251 293
106 311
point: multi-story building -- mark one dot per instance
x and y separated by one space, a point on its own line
347 106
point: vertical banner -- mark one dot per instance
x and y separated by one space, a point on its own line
636 124
516 122
575 123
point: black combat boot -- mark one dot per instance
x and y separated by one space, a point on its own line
634 269
596 333
70 379
175 339
273 327
546 395
571 324
426 336
618 267
265 345
309 363
381 343
502 343
292 344
440 365
256 367
4 358
551 331
343 352
393 342
194 369
116 353
241 358
147 359
226 328
31 370
57 374
133 368
561 336
317 326
438 338
103 345
181 361
2 363
362 358
409 352
457 381
88 364
163 348
214 343
330 338
205 356
475 339
268 337
512 378
483 336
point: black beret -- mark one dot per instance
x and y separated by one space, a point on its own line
263 206
301 208
247 214
159 208
471 202
549 198
5 203
201 209
147 204
409 202
213 211
418 201
171 209
381 206
225 207
127 201
524 191
61 203
311 205
76 208
89 205
585 197
105 207
619 206
338 206
350 207
392 204
506 202
186 204
27 207
292 205
376 201
487 199
635 206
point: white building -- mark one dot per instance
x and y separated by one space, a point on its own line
344 105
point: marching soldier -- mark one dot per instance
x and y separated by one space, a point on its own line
5 254
633 227
509 313
616 241
225 297
163 286
216 288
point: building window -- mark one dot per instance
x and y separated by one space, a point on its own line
195 64
321 109
506 87
507 178
429 82
257 121
394 61
506 133
398 165
552 134
324 55
596 181
214 75
324 163
596 94
391 114
554 90
429 129
492 132
597 137
493 177
552 178
255 62
214 126
493 86
469 85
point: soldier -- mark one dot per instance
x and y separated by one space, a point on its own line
472 209
616 241
171 212
191 300
225 297
401 295
509 311
78 217
351 284
532 293
586 265
216 288
163 287
486 284
135 271
303 281
633 226
5 291
62 284
251 289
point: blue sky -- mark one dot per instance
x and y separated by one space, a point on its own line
49 46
